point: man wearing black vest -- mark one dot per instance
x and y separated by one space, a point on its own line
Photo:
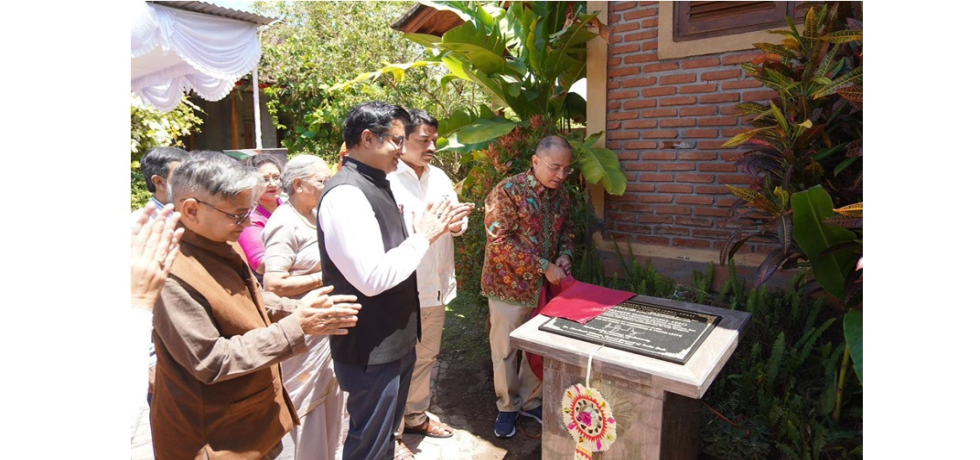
366 249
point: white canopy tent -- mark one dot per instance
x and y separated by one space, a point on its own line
196 46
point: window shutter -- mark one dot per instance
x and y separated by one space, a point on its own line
696 20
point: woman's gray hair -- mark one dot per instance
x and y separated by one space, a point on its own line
214 174
300 167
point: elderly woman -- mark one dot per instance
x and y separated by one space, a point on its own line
270 168
292 268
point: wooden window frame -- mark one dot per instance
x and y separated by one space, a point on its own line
669 48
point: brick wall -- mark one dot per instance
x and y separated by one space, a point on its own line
667 120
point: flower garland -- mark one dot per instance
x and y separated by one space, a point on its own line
588 417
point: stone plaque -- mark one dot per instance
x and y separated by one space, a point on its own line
644 328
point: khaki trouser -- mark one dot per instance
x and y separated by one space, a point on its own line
426 351
516 385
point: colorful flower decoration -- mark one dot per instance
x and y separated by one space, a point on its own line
589 419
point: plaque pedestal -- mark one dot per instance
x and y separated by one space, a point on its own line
655 402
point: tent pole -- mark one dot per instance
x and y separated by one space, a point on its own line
256 109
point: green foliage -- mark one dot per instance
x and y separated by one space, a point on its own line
315 45
815 237
150 128
524 56
809 134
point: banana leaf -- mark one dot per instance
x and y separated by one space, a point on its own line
810 209
854 334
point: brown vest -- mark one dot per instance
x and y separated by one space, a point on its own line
243 417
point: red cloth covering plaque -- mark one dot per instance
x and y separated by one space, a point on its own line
573 300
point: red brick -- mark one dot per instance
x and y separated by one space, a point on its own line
695 89
650 22
677 210
640 124
613 125
615 39
655 198
747 83
613 61
655 219
660 67
711 145
623 71
680 100
709 234
697 133
698 63
658 156
725 202
731 132
659 134
673 79
640 145
698 156
642 57
612 145
721 75
734 179
675 122
700 178
638 207
687 243
694 199
624 48
660 91
627 197
653 240
714 212
719 121
641 13
622 216
631 228
623 116
674 188
694 221
639 104
640 166
712 190
623 94
623 135
639 82
648 3
730 110
656 177
624 27
611 84
697 111
651 45
731 156
677 167
635 187
676 231
752 96
660 113
616 235
620 6
638 36
719 97
739 58
717 167
627 156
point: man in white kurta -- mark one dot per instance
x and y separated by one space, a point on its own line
415 184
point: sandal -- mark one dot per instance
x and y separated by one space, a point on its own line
402 452
432 429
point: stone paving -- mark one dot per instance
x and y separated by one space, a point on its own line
463 444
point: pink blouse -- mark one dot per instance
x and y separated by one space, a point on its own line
251 239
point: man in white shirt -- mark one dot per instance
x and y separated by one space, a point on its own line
367 251
415 184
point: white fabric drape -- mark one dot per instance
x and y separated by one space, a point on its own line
174 51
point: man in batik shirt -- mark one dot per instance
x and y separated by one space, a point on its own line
529 241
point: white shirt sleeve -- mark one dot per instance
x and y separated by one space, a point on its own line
352 238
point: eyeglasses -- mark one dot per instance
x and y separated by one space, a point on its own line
558 168
239 218
399 140
273 180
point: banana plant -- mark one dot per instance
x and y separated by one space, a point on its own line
526 56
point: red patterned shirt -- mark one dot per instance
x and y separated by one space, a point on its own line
528 226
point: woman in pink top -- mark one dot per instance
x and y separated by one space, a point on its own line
270 167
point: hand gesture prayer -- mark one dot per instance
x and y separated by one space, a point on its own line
153 249
323 314
435 220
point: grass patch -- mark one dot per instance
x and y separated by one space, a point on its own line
465 332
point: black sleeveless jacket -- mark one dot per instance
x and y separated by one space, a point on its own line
388 324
